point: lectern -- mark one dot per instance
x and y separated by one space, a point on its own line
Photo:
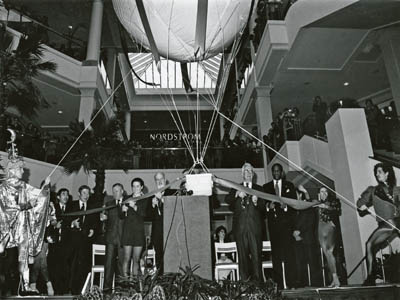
187 234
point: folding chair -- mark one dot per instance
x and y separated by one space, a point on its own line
266 247
226 248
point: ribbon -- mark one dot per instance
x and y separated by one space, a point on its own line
103 208
296 204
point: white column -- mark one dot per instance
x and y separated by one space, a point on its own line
94 40
87 105
264 117
350 149
128 117
221 127
390 46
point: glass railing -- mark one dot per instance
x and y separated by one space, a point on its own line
177 158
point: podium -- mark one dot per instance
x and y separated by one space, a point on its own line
187 234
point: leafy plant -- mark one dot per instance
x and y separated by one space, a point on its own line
98 149
17 69
186 285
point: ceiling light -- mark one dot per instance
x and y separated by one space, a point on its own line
60 112
145 121
70 27
346 83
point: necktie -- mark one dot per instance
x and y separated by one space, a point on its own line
277 189
83 209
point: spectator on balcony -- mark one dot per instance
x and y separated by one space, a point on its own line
320 110
374 120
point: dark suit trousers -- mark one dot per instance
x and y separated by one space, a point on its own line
308 254
113 264
81 261
248 244
282 244
157 240
58 267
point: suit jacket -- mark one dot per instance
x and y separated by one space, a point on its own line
87 222
246 216
156 213
307 223
114 222
278 214
62 234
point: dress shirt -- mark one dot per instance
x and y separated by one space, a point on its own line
82 203
247 184
279 185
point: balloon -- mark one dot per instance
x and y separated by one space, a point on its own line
225 19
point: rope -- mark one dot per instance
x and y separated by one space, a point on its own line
347 201
184 136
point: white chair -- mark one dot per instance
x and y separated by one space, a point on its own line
226 248
151 254
266 247
97 250
148 254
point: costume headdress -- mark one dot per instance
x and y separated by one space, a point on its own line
14 160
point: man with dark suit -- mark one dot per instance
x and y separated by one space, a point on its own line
281 221
81 237
114 225
248 214
59 250
307 246
157 216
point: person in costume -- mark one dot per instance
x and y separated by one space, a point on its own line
23 215
329 211
385 198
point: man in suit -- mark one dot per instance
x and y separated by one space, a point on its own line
59 250
114 225
281 221
307 247
157 216
81 240
248 214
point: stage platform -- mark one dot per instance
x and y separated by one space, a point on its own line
381 292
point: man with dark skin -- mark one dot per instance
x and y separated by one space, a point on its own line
281 224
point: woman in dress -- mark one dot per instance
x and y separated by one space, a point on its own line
132 238
329 210
385 199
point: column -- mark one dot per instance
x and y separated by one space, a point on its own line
221 127
350 149
110 68
390 46
264 117
89 69
128 116
87 105
94 40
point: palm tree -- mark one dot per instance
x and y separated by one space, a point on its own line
17 69
98 149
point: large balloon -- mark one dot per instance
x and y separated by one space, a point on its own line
225 19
